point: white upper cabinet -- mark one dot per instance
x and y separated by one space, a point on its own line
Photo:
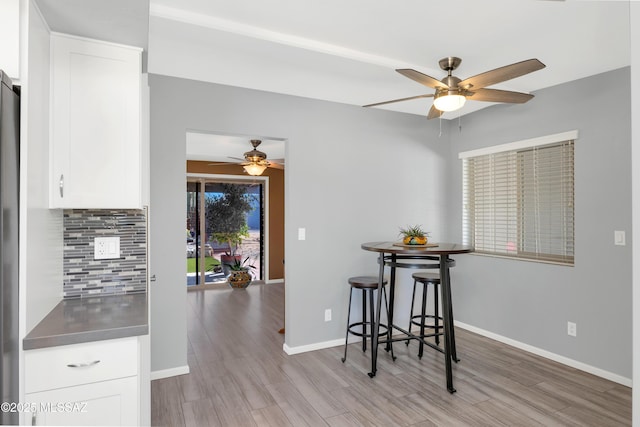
95 124
10 36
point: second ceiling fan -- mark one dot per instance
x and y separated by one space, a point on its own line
255 161
451 92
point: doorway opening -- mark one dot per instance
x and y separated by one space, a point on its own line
225 217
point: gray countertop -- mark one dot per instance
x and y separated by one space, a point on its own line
80 320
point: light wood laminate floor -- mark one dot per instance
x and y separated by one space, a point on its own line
241 377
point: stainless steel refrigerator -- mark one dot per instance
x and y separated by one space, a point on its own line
9 189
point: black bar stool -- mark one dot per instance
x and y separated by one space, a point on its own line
436 326
368 284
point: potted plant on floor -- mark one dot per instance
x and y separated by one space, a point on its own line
239 276
233 240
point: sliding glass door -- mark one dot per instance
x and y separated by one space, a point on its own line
224 218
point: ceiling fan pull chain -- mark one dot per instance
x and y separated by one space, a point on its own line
460 123
440 120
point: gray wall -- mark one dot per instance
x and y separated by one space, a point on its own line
353 175
532 302
356 175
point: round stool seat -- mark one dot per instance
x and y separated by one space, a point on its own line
365 282
424 277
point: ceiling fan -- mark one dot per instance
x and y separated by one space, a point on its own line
255 161
451 92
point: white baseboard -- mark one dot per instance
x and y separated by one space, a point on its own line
517 344
317 346
548 355
270 281
172 372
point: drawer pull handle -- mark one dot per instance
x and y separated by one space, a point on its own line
61 184
83 365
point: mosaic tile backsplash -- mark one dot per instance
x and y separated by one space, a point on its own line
85 277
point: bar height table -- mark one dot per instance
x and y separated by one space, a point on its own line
395 255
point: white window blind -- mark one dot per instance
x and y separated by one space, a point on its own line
519 202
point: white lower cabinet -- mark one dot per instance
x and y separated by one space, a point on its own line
105 403
94 383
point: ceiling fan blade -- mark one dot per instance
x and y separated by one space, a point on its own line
276 166
496 95
399 100
236 158
434 112
422 78
501 74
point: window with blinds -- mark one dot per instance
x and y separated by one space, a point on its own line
518 199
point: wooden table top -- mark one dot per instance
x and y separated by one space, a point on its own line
394 248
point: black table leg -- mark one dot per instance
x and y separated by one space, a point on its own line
454 355
391 302
376 322
448 321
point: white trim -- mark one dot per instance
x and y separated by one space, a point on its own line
317 346
265 183
172 372
88 39
519 145
511 342
548 355
273 281
233 27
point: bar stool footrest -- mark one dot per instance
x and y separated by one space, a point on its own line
381 331
422 320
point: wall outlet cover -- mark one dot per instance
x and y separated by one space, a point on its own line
106 248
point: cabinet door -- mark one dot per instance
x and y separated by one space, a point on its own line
112 403
95 124
10 36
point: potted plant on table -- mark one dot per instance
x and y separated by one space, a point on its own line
413 235
239 276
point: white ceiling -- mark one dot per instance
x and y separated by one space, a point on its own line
347 51
117 21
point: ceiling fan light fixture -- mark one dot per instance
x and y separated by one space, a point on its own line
449 101
254 169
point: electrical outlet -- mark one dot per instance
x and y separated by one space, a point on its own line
106 248
327 315
572 329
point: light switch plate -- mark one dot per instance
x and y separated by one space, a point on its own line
302 233
106 248
619 238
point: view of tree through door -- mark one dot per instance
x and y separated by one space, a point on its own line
223 218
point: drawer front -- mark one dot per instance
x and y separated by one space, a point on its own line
69 365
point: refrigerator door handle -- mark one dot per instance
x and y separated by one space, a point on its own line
61 186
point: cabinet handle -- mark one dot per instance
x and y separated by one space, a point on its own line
34 418
61 186
83 365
